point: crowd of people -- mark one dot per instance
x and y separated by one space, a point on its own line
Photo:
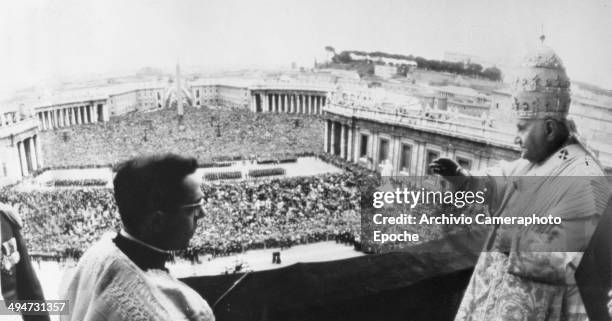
278 212
239 215
205 133
63 222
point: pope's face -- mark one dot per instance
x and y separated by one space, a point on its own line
531 137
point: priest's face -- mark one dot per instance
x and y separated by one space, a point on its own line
180 223
531 138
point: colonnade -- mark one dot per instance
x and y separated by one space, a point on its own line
294 103
72 115
30 156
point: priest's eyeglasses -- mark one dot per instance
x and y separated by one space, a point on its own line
199 204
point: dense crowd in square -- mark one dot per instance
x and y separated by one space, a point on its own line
239 216
205 133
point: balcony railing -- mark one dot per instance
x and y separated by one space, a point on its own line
414 120
19 126
294 85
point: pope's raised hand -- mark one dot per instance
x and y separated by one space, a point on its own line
444 166
449 170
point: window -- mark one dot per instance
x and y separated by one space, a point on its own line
431 156
383 150
363 148
197 93
405 158
4 169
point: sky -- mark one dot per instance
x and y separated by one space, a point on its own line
42 40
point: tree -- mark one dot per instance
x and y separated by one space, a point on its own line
330 49
474 69
344 57
492 73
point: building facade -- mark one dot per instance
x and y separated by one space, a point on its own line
20 152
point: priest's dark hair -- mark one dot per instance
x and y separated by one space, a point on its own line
150 183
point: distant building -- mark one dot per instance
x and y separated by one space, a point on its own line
385 72
20 153
464 100
226 92
136 100
452 56
341 73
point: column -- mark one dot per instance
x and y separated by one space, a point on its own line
39 158
308 104
302 99
326 137
94 115
73 117
253 103
61 117
350 144
83 114
277 99
374 154
312 104
33 155
285 105
22 159
90 108
79 115
333 138
105 113
264 102
342 142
